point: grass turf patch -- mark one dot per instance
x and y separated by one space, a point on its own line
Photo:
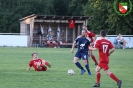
14 61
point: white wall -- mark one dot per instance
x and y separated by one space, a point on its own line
112 38
13 40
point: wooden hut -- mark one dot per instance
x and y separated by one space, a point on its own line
36 27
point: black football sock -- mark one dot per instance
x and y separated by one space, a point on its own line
78 65
87 67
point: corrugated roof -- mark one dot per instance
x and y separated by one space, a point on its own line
53 17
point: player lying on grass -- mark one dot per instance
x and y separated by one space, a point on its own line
105 48
38 64
83 45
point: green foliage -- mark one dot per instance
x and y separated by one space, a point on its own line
69 7
104 17
61 7
14 62
76 7
13 10
102 12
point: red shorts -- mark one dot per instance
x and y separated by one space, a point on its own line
42 69
104 65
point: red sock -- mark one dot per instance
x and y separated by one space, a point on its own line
46 63
58 43
48 45
54 45
98 76
114 77
94 59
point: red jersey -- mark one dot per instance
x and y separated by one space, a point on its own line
104 46
34 64
90 35
71 23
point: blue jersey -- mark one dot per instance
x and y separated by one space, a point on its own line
83 43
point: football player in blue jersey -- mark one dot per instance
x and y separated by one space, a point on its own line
83 43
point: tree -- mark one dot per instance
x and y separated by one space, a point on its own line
13 10
76 7
104 17
61 7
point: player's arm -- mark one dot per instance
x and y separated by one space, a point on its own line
73 46
96 46
111 51
94 38
91 48
28 68
89 51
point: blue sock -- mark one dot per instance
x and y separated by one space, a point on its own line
87 67
78 65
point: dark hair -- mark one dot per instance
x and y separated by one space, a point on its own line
84 30
84 26
103 33
33 53
119 33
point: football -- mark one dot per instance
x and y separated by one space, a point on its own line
70 71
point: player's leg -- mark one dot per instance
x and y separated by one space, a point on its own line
44 68
98 76
45 64
86 63
59 44
54 44
93 58
75 60
124 43
38 67
121 43
111 75
48 43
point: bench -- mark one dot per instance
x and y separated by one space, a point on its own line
66 45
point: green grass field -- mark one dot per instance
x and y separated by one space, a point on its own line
14 61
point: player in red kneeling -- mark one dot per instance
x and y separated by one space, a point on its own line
105 48
93 38
38 64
